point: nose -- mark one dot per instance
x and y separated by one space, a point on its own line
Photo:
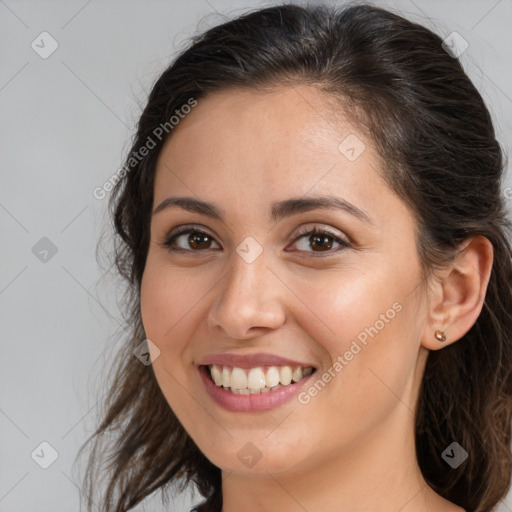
249 300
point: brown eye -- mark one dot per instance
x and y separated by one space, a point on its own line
190 240
323 242
199 241
313 241
320 240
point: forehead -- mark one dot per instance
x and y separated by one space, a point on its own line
288 133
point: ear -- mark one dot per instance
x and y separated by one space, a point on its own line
458 294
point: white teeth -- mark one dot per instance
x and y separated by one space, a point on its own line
254 381
285 375
238 379
297 374
272 377
216 375
226 377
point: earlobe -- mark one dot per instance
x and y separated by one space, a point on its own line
460 294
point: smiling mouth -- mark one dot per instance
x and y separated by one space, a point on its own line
253 381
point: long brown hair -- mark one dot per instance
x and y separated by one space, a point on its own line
436 139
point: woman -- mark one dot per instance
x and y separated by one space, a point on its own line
313 233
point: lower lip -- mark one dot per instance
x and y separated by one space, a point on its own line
250 403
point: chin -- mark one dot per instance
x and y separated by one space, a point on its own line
253 459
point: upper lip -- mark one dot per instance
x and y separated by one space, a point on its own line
251 360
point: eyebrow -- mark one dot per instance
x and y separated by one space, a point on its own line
279 210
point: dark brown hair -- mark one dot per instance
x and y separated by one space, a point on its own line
441 157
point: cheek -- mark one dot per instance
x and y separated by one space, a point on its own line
165 300
169 311
169 317
368 325
340 306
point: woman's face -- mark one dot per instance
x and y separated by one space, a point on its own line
256 283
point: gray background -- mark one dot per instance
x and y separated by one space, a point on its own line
66 122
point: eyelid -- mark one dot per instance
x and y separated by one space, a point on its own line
312 226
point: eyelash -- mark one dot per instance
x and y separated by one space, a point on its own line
311 232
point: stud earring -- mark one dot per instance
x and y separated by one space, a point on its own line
440 336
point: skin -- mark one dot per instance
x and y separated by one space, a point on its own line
352 446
